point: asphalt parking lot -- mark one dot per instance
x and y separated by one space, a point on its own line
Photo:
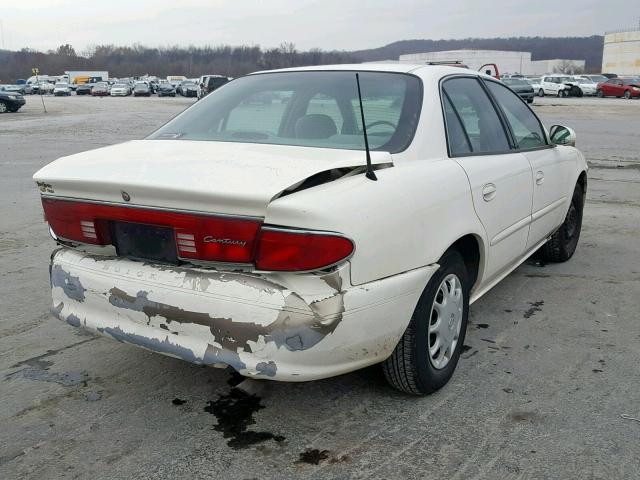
552 360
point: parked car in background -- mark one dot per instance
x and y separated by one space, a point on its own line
61 89
535 84
619 87
22 89
583 85
552 85
120 90
166 90
84 89
187 89
44 87
11 101
141 89
252 235
521 87
100 89
596 78
210 83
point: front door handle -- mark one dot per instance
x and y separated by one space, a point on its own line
539 177
489 192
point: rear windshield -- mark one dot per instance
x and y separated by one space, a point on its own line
314 109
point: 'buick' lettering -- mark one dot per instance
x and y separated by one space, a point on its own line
224 241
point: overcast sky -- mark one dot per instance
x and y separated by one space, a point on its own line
326 24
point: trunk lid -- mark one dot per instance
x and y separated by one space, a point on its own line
214 177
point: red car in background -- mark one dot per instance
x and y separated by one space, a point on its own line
619 87
100 90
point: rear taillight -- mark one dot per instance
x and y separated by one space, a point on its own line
291 250
211 238
198 237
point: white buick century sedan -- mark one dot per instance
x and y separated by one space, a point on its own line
300 224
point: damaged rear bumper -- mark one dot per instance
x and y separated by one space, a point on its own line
292 327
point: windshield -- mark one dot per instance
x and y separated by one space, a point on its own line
119 85
141 86
314 109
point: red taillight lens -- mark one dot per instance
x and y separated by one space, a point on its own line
289 250
204 237
201 237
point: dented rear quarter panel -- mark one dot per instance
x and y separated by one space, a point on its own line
407 219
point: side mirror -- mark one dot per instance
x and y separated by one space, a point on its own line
561 135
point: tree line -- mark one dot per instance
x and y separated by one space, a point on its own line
138 60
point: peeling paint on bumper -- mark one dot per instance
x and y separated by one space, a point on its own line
292 327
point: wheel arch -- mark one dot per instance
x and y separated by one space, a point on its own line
582 181
472 249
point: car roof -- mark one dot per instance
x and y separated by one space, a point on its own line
422 70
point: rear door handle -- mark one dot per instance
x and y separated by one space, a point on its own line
539 177
489 192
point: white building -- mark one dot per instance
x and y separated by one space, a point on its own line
557 65
507 62
621 53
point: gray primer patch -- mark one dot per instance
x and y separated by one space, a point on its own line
218 355
70 285
160 346
268 369
73 320
292 329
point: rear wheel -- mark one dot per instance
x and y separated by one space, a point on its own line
562 244
427 354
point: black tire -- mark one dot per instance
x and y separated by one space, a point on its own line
3 107
599 93
530 100
627 95
562 244
541 93
410 368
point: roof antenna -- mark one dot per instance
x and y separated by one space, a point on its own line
370 173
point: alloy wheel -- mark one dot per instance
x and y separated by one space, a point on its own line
445 321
